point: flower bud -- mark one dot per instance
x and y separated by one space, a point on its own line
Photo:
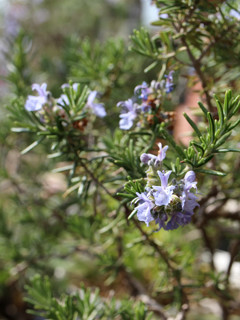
190 176
145 158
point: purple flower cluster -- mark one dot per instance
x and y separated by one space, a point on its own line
146 101
170 204
36 103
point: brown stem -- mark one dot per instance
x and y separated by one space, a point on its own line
137 288
234 251
95 179
208 244
155 246
204 52
197 67
235 216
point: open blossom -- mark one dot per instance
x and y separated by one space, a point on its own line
35 103
67 85
63 100
148 158
163 193
169 82
128 115
188 198
144 208
97 108
144 91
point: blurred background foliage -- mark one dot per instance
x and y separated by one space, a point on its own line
81 240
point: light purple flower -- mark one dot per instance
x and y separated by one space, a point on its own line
189 181
169 82
189 201
164 192
163 16
146 158
75 86
63 100
35 103
162 152
178 219
188 198
235 14
144 208
144 91
161 221
190 176
97 108
41 89
129 114
67 85
164 178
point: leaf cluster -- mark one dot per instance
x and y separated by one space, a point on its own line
17 57
124 152
85 304
210 142
100 65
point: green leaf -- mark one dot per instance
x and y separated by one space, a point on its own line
227 150
192 124
211 126
62 169
220 112
151 66
212 172
170 139
198 146
204 160
125 195
222 139
204 110
227 99
234 125
21 130
33 145
132 214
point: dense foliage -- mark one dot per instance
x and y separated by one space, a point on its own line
108 213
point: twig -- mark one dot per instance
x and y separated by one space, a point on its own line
137 288
204 52
197 67
200 74
95 179
155 246
208 244
235 216
234 249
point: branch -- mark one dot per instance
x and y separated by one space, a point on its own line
155 246
204 52
200 74
197 67
95 179
234 250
